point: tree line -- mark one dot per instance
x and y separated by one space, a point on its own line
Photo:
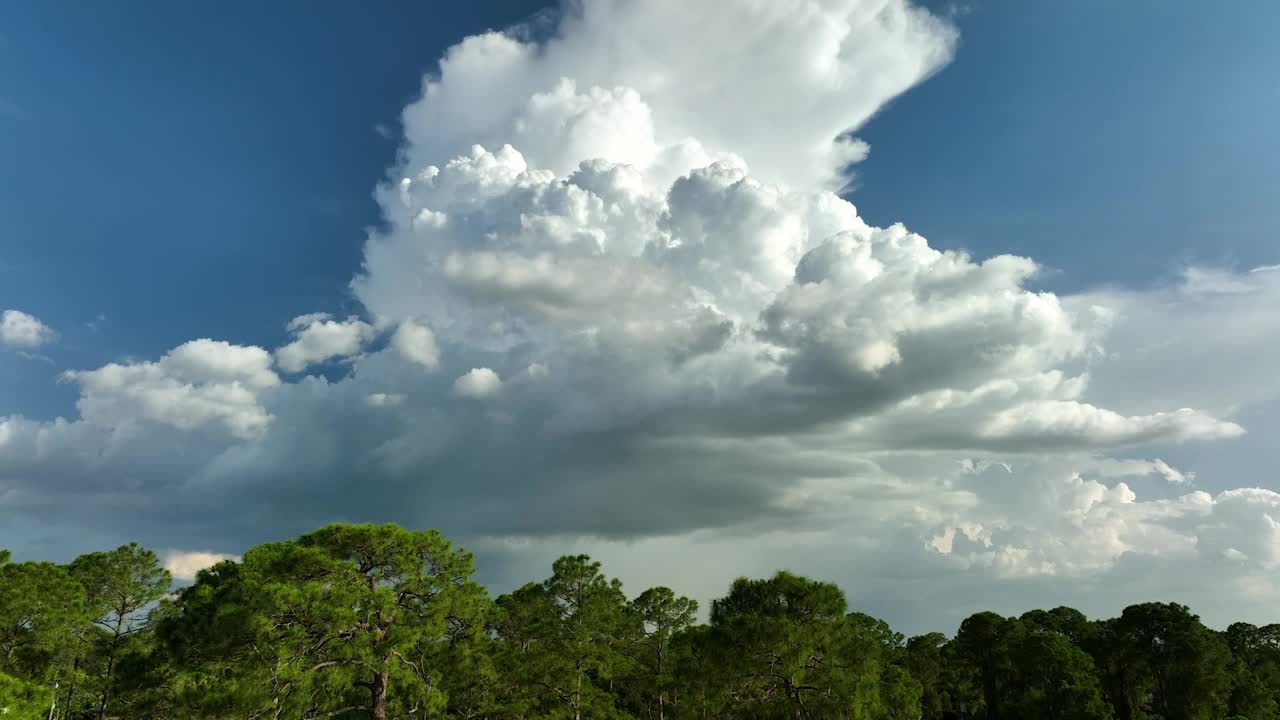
377 621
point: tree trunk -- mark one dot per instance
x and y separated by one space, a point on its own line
990 690
662 693
71 687
577 693
378 692
106 689
111 664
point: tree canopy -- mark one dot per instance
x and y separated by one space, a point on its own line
378 621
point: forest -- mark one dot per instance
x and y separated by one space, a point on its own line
378 621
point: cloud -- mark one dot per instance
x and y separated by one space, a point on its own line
417 344
655 98
1072 423
477 383
781 311
23 331
183 565
925 541
1244 528
1112 468
626 312
384 399
197 384
318 338
1164 341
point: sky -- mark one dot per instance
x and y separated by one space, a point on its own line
958 305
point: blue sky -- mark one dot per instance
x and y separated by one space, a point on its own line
172 173
222 156
1111 141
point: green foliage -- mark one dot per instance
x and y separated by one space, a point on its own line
21 700
119 584
778 640
1053 679
1255 691
203 660
926 658
658 615
900 695
365 621
1180 666
700 677
983 645
1030 667
348 619
119 587
41 607
565 641
787 648
1068 622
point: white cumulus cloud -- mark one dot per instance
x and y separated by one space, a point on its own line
318 338
199 383
683 84
185 564
477 383
23 331
417 344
